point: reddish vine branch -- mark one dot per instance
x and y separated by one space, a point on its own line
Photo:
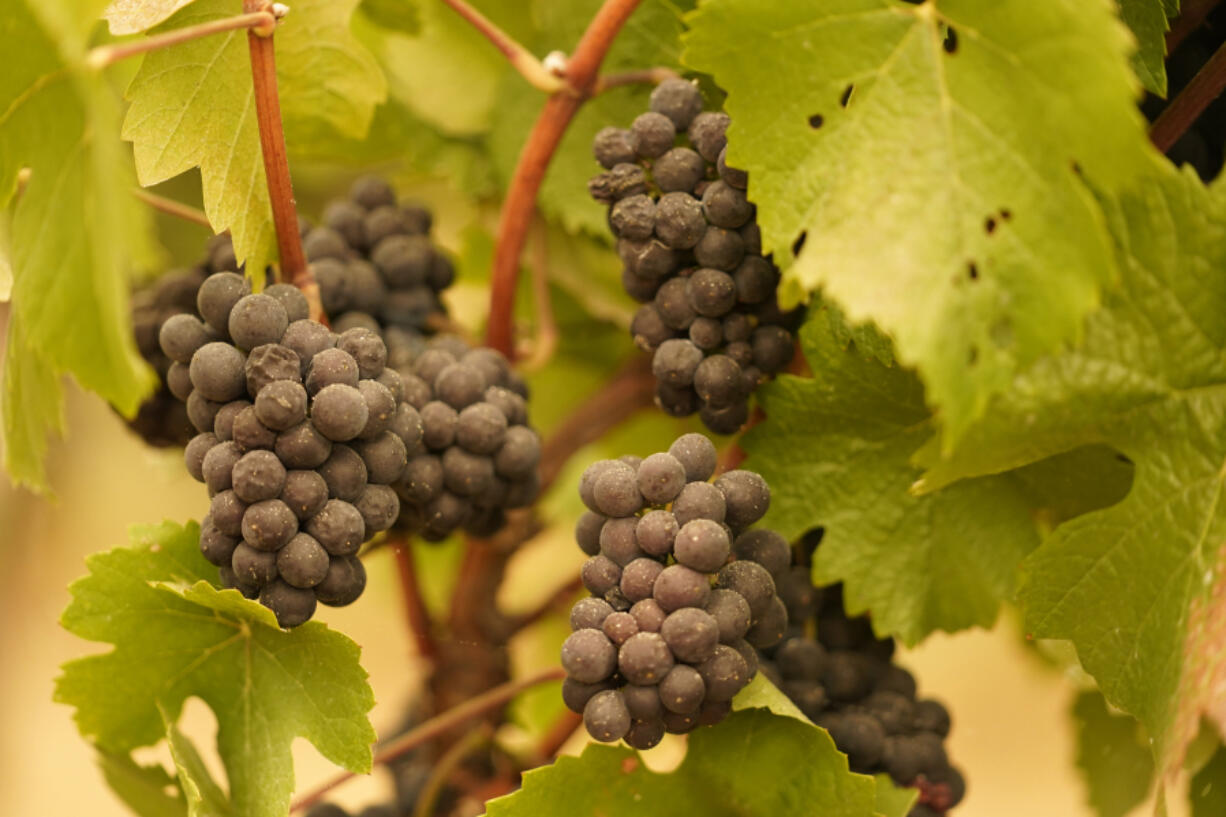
472 708
1184 110
420 625
520 203
276 162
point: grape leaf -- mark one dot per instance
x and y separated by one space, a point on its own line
1112 755
762 749
648 39
132 16
835 451
204 797
892 800
142 788
176 636
1148 21
951 214
193 105
762 694
1148 380
76 231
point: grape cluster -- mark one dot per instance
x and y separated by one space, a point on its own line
374 261
301 433
682 593
476 456
692 255
844 681
375 265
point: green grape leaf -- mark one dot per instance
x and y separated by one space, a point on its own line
193 106
892 800
1207 791
762 749
133 16
144 789
1113 756
953 215
649 38
762 694
177 636
1149 381
1148 21
76 231
396 15
204 797
836 450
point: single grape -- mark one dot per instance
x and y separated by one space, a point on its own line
345 473
600 574
861 738
616 491
303 562
634 217
249 433
576 694
216 298
769 628
614 146
253 567
280 405
512 406
291 605
223 423
481 428
605 716
660 478
385 457
256 320
439 422
656 531
587 532
339 527
226 511
649 615
218 466
202 413
269 524
691 634
329 367
339 412
679 100
216 547
307 338
725 673
302 446
679 222
217 372
707 134
702 544
752 581
258 475
767 548
678 586
734 177
772 348
618 627
682 689
589 656
746 495
676 361
725 206
324 242
699 500
379 507
639 577
731 614
196 450
422 480
654 134
181 335
467 474
589 613
305 493
345 581
617 540
931 716
644 659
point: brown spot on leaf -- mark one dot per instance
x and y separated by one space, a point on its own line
629 765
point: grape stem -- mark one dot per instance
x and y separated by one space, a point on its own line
472 708
103 56
276 163
1191 14
521 59
171 207
477 738
545 344
646 76
1184 110
420 625
534 159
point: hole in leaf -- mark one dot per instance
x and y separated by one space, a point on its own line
951 41
815 121
799 244
989 226
972 270
846 97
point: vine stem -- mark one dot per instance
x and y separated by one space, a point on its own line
172 208
521 59
520 203
414 606
651 76
472 708
102 56
276 163
1184 110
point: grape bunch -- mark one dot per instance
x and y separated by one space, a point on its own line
692 255
301 433
682 593
375 265
374 261
844 681
476 456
